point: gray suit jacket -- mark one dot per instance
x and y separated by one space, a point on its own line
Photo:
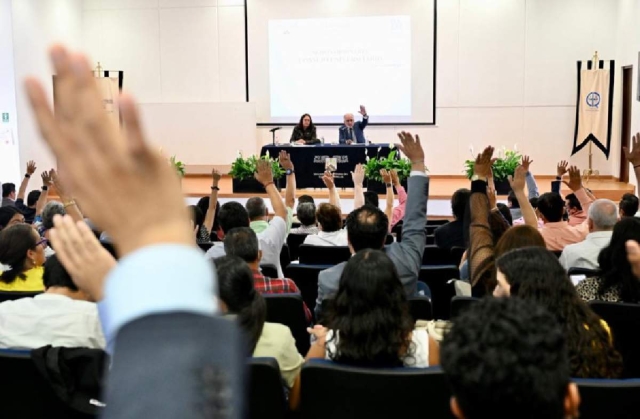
406 255
176 365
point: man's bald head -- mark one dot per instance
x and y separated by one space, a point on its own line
349 120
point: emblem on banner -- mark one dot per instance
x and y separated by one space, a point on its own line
593 100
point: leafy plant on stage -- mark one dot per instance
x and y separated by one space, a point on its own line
373 166
177 165
504 166
244 168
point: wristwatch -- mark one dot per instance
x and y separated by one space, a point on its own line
27 175
215 188
289 172
476 177
389 185
44 188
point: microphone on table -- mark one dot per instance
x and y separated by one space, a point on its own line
273 133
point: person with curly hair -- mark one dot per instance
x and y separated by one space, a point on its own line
507 358
535 274
368 323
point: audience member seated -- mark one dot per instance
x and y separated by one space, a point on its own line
616 282
503 209
508 358
394 213
628 205
209 207
330 231
452 234
9 216
271 236
62 316
22 249
197 221
239 300
368 322
574 210
551 208
535 274
8 195
302 200
242 242
518 237
46 222
367 228
603 216
306 213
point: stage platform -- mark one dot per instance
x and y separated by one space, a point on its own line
440 191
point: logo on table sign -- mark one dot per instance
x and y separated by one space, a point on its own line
323 159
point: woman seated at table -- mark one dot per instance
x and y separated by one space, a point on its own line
304 132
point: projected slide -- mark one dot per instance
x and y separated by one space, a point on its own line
329 66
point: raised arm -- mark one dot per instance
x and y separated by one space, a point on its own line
334 197
386 178
481 246
575 184
290 192
562 168
634 155
365 117
264 175
398 212
517 182
31 169
46 185
358 189
532 186
210 216
69 203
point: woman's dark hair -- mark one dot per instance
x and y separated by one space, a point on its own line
370 313
518 237
235 282
203 204
329 217
615 268
6 214
197 216
506 212
15 241
535 274
311 126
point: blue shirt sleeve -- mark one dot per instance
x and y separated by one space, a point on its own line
157 279
532 186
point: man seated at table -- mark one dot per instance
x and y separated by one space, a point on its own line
353 132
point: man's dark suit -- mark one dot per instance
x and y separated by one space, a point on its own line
450 235
176 365
357 131
406 255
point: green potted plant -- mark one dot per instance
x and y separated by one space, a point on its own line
504 166
243 170
178 166
393 161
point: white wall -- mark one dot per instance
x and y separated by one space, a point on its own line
36 25
506 70
9 161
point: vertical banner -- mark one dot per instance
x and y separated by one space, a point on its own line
594 107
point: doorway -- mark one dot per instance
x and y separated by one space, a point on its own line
625 131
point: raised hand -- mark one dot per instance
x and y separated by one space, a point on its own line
492 195
264 173
82 255
215 176
526 162
563 167
517 181
394 177
483 164
46 179
285 160
575 179
362 111
328 180
386 176
98 161
634 155
358 175
412 149
31 167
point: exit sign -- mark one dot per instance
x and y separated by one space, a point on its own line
5 117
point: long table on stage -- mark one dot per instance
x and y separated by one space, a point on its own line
309 161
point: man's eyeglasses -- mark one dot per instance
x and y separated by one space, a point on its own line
349 120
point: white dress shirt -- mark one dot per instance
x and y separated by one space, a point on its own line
585 254
323 238
50 319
